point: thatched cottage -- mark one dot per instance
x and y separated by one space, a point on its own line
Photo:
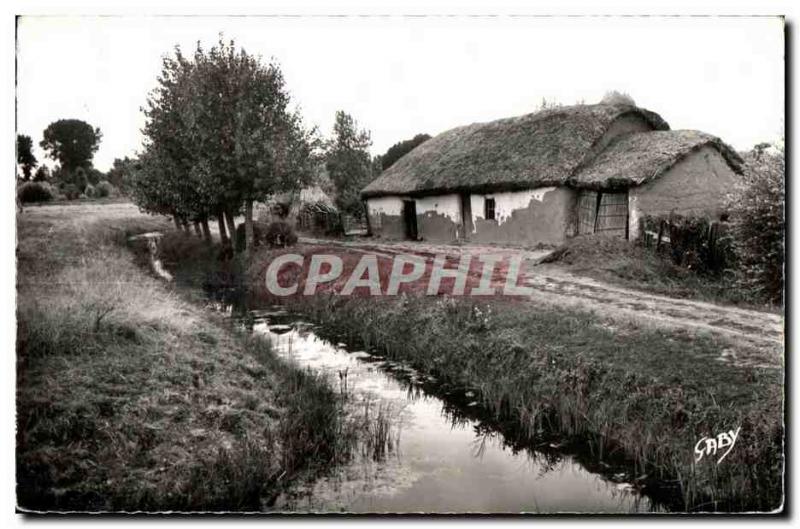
543 177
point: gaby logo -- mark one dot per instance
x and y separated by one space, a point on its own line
709 446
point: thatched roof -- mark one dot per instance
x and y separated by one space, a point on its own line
544 148
634 159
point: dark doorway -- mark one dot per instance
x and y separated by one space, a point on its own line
466 216
410 219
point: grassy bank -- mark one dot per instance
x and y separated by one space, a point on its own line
130 397
645 395
630 265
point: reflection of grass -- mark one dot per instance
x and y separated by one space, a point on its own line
128 397
646 393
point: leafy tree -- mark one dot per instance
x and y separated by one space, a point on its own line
71 142
348 162
220 135
758 223
25 157
42 174
121 172
398 150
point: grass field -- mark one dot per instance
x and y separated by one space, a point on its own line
616 261
129 397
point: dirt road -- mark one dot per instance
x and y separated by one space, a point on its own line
755 337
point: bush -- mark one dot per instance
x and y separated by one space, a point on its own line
696 243
34 192
258 236
758 224
105 189
89 191
279 235
70 191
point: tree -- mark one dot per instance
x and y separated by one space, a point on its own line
121 172
220 135
25 157
348 162
400 149
758 223
42 174
71 142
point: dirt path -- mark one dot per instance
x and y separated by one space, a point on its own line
757 337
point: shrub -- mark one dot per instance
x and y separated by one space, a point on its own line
757 221
258 235
90 191
696 243
280 234
34 192
70 191
105 189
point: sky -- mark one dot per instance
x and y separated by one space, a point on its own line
400 76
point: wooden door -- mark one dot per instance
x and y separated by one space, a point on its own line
587 212
612 215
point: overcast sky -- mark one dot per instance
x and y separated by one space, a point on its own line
402 76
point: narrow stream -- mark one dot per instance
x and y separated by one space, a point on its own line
445 461
448 458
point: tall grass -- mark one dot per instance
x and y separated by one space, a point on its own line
645 395
130 397
618 261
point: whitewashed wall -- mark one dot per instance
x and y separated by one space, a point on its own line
392 205
505 203
447 205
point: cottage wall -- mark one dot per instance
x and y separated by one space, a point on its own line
697 185
542 215
386 217
439 217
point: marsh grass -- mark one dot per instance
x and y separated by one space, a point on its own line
643 395
131 397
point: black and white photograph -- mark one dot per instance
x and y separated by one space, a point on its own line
398 264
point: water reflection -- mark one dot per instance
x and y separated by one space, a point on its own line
451 455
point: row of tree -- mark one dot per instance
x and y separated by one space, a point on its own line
222 134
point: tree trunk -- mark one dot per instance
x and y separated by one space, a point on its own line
231 228
206 230
197 229
223 233
177 222
248 228
185 226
